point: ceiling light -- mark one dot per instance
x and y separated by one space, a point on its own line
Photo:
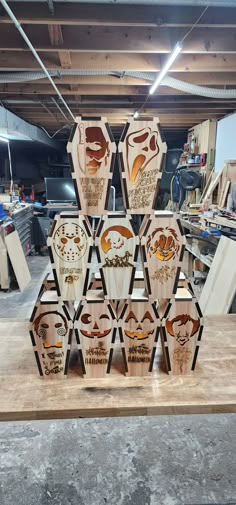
165 69
3 139
136 114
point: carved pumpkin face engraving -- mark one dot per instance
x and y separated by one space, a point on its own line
50 327
141 148
69 242
98 326
139 330
163 243
182 328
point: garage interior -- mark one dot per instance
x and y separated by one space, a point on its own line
121 438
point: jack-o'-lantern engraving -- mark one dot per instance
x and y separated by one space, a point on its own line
99 327
69 242
139 330
50 326
182 328
163 243
141 148
117 245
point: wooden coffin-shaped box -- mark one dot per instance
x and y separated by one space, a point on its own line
117 250
181 332
139 326
51 329
95 330
141 159
48 284
162 250
70 247
92 149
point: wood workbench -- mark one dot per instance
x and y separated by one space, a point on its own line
211 389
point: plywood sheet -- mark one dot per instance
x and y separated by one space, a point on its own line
51 331
220 286
211 389
95 329
139 330
4 270
92 151
70 245
141 158
181 331
117 251
17 258
162 248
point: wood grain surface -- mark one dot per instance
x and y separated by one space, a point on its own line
17 259
139 326
141 158
220 286
92 151
51 330
95 329
181 331
211 389
117 250
162 247
70 247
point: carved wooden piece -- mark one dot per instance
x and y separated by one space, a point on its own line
181 331
95 329
162 249
96 280
48 284
92 151
70 247
141 157
51 329
117 251
139 329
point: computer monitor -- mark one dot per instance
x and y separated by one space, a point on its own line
60 190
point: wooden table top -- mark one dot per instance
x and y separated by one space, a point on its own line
210 389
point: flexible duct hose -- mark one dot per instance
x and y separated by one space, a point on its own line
195 89
171 82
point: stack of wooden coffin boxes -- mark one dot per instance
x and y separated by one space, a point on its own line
116 301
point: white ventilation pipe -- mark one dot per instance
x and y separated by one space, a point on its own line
171 82
195 89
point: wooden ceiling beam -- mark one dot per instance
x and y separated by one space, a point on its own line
149 112
131 92
39 89
203 78
153 109
114 15
119 40
55 35
11 60
167 105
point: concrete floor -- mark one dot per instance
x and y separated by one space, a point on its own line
175 460
178 460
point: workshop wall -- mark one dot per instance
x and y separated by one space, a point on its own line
225 141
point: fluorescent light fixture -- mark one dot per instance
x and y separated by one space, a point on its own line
165 69
3 139
136 114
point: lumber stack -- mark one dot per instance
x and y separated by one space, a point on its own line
93 304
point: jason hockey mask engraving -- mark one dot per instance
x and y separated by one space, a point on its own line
70 242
